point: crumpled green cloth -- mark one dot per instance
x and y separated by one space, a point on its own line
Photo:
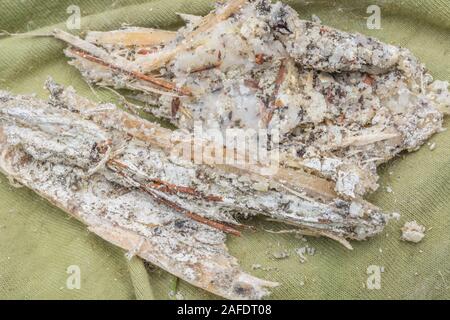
38 242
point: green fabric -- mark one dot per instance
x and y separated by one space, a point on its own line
39 242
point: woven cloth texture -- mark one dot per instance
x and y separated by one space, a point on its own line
38 242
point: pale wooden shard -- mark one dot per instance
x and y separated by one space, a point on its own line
89 51
139 37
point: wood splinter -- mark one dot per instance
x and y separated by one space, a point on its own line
154 81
